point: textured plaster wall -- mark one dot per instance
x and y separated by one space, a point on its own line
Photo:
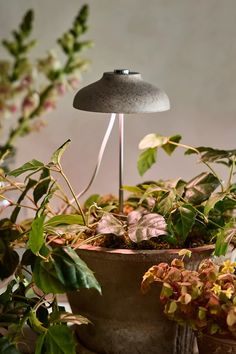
187 47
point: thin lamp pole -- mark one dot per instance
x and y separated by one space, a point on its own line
121 160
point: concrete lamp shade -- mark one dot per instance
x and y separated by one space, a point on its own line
121 91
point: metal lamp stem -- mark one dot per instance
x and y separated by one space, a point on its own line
121 160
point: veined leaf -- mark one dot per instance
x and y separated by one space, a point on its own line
152 141
183 220
32 165
209 154
56 156
211 202
36 237
223 239
165 205
146 227
200 188
39 344
170 148
59 339
91 200
69 219
108 224
63 271
6 347
146 159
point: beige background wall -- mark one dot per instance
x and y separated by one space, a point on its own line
188 47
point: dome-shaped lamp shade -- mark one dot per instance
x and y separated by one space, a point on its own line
121 91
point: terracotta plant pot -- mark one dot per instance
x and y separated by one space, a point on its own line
123 319
215 345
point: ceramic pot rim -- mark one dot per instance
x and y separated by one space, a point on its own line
170 251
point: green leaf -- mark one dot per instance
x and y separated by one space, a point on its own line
39 344
56 156
33 165
81 19
152 141
59 339
109 224
223 238
36 236
63 271
172 307
183 220
202 313
146 159
31 183
200 188
133 189
91 200
170 148
165 205
145 227
69 219
27 22
6 347
166 290
211 202
42 186
185 252
47 197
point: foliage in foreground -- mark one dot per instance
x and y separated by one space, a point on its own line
204 299
162 214
34 279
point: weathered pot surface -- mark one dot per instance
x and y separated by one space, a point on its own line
123 319
215 345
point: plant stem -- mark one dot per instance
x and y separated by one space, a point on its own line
18 186
11 203
73 194
199 154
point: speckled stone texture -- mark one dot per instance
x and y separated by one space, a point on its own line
213 345
121 93
124 321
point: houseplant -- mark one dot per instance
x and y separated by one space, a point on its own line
162 215
33 277
204 299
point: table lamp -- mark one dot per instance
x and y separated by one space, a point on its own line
119 92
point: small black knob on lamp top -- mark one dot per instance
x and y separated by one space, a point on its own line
121 71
